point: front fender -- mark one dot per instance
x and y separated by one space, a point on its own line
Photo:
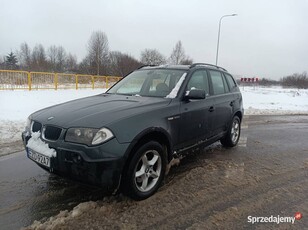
147 134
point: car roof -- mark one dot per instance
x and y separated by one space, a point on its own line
165 67
183 67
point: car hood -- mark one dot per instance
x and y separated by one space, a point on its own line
97 111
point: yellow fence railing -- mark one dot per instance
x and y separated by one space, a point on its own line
12 79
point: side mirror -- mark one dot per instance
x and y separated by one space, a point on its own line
195 94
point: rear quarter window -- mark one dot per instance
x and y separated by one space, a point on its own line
230 81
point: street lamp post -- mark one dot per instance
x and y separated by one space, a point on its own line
227 15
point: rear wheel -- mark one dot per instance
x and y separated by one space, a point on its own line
146 171
233 135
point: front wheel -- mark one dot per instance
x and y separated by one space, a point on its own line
146 171
233 135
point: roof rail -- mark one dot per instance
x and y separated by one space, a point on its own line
146 66
218 67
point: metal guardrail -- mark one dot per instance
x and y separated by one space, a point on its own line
14 80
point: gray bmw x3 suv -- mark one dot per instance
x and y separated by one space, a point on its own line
126 138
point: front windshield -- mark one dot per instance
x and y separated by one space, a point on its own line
150 83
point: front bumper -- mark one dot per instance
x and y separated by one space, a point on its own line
97 165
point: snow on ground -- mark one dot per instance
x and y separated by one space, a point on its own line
17 105
276 100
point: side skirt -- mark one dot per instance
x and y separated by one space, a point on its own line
180 153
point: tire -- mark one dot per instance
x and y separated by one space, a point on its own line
146 171
233 135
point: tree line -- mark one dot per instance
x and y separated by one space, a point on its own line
296 80
100 60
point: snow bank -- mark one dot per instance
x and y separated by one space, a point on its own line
10 130
65 216
36 144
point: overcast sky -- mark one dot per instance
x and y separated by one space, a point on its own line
268 38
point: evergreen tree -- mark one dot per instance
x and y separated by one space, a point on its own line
11 61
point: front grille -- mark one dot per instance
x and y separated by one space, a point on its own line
52 133
36 126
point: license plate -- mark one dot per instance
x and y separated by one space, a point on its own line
39 158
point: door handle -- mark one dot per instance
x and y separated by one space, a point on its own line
211 109
231 103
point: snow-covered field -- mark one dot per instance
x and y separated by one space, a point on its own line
17 105
275 100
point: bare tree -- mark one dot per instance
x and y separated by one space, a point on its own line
24 56
61 59
187 61
52 57
38 59
152 57
178 54
71 63
2 62
85 66
56 58
122 64
98 51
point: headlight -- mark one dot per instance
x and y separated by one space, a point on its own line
101 136
88 136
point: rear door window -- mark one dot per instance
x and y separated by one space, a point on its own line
218 83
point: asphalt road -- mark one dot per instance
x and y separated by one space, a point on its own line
216 188
28 193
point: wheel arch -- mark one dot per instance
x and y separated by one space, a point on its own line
239 114
151 134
